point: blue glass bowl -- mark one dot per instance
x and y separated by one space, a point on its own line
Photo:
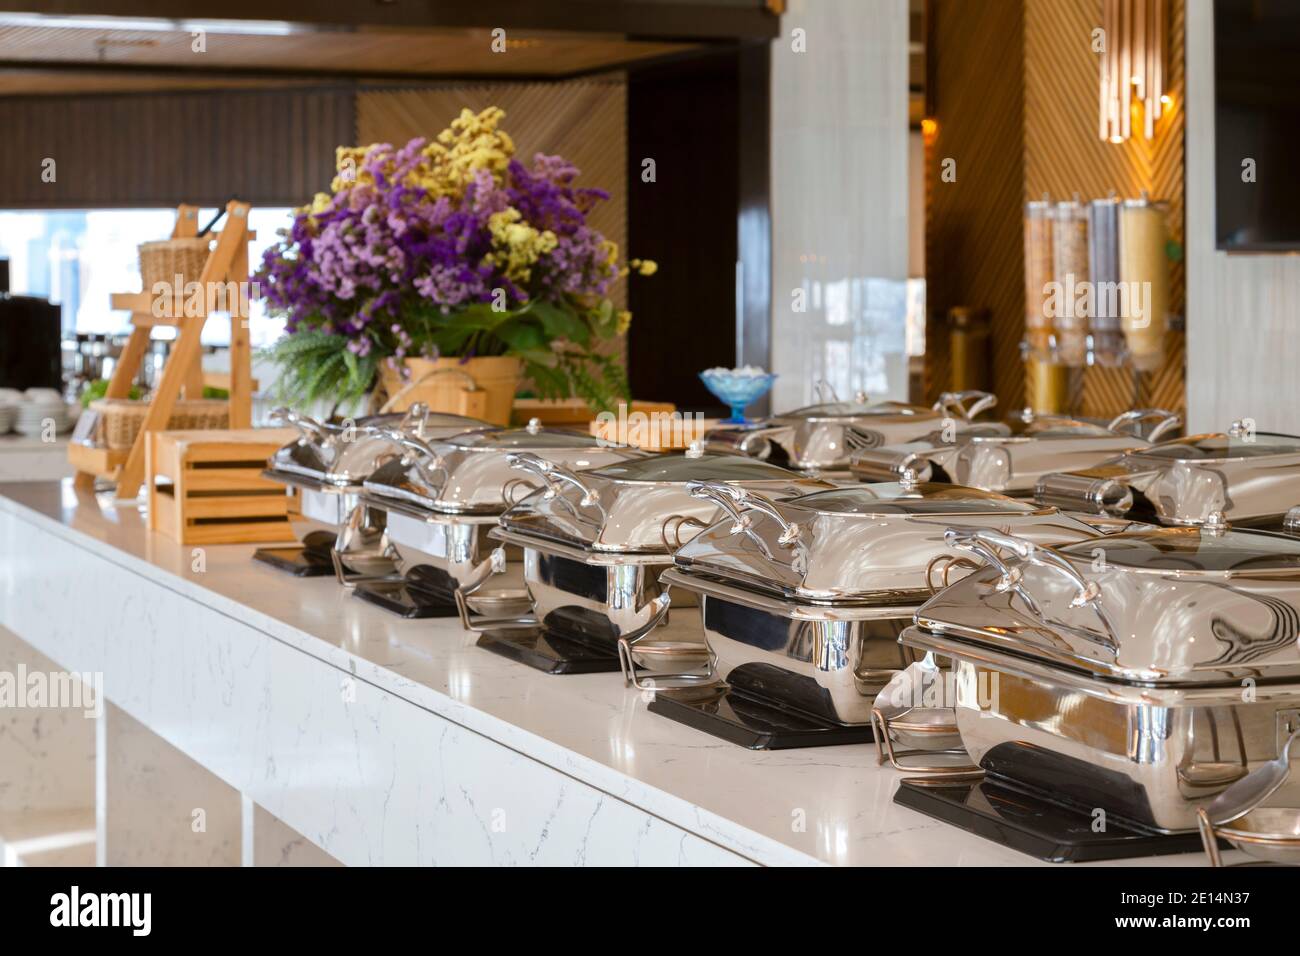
737 391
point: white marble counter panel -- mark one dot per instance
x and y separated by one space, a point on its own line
394 741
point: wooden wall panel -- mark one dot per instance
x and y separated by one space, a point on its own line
585 121
1013 85
974 245
1064 155
272 148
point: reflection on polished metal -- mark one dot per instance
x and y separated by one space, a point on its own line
822 438
443 498
815 590
1139 674
596 541
1011 457
1238 815
915 732
1241 477
328 463
340 456
362 551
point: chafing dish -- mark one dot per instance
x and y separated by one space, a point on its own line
1241 477
803 600
439 500
595 543
1138 674
822 438
327 465
1011 457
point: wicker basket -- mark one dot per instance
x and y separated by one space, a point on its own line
164 260
121 419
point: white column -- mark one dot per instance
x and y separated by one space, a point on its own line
839 199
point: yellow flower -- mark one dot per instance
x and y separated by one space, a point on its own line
516 245
645 267
610 248
348 163
624 322
472 142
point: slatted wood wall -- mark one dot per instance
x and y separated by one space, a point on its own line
974 246
1064 155
272 148
1013 87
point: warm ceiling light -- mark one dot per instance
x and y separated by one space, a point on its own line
1135 48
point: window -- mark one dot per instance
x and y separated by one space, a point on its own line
78 258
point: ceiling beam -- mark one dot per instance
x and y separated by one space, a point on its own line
683 20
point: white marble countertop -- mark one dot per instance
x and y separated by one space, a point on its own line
820 805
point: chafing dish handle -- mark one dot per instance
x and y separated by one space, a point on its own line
987 543
308 427
552 474
737 501
493 564
955 402
417 452
1166 422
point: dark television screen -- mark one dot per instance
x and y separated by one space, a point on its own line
1257 117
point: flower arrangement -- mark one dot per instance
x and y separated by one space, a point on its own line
449 247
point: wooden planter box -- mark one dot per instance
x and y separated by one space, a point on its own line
206 487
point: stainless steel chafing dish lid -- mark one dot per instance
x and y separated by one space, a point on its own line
1036 445
869 543
1235 476
341 456
468 473
622 507
849 411
1165 608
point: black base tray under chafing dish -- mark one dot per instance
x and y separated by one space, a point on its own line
1027 822
422 593
311 559
743 713
554 653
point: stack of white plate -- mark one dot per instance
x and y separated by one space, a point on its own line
39 406
9 401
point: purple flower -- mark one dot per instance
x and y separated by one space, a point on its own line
384 257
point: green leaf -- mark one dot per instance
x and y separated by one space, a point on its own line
562 323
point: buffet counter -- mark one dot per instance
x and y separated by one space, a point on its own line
388 741
27 458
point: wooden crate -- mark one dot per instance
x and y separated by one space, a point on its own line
652 436
206 487
571 412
